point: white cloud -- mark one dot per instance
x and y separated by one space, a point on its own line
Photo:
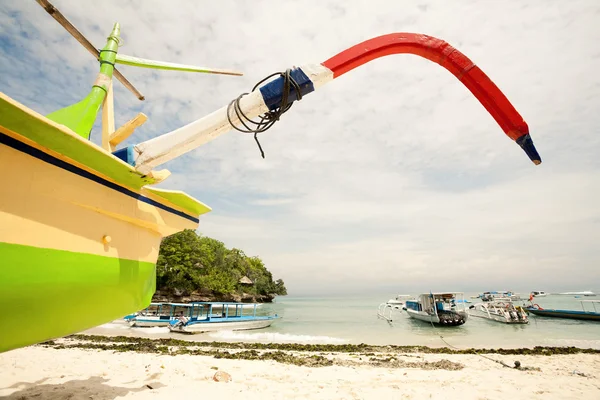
393 175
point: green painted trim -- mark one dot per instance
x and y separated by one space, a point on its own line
19 119
80 117
48 293
181 199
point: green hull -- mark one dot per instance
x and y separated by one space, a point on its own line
37 286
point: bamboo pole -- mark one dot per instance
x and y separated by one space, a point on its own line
53 11
108 119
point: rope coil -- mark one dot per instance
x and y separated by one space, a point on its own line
268 119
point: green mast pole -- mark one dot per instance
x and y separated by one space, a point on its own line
80 117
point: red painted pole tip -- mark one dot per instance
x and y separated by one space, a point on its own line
440 52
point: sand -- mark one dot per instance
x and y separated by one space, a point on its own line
50 374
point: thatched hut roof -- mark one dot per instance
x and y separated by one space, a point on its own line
245 280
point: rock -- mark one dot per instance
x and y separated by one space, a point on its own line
221 376
180 296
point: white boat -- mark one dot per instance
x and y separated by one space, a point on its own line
584 293
490 296
215 316
500 310
539 293
385 310
156 314
399 301
166 314
444 309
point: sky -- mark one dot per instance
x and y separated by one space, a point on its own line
393 177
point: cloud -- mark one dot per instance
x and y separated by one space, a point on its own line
393 175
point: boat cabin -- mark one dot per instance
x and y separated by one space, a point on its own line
436 303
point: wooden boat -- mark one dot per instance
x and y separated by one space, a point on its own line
443 309
500 310
82 224
569 314
213 316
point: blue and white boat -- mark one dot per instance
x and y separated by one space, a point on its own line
156 314
570 314
444 309
500 294
214 316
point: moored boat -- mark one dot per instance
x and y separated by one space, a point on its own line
399 301
500 310
583 293
504 294
569 314
157 314
213 316
539 293
443 309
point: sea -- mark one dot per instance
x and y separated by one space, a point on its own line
354 320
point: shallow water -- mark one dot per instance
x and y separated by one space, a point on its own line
354 320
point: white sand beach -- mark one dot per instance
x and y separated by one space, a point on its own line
52 374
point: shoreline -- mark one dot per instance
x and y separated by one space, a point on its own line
158 345
106 367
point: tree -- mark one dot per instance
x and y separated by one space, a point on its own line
188 262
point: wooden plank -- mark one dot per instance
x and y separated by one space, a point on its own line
127 129
108 119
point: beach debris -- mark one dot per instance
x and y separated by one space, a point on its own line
575 372
221 376
517 364
215 368
149 387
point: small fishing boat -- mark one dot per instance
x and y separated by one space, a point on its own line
385 310
503 294
444 309
157 314
539 293
213 316
583 293
399 301
500 310
570 314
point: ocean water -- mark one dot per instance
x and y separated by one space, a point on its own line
339 320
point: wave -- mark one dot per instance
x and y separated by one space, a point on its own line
275 337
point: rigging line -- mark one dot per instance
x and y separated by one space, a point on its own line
476 352
268 119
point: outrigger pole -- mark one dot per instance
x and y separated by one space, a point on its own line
126 60
80 117
270 100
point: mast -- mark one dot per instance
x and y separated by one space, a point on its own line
80 116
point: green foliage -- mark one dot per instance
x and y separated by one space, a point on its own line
188 262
